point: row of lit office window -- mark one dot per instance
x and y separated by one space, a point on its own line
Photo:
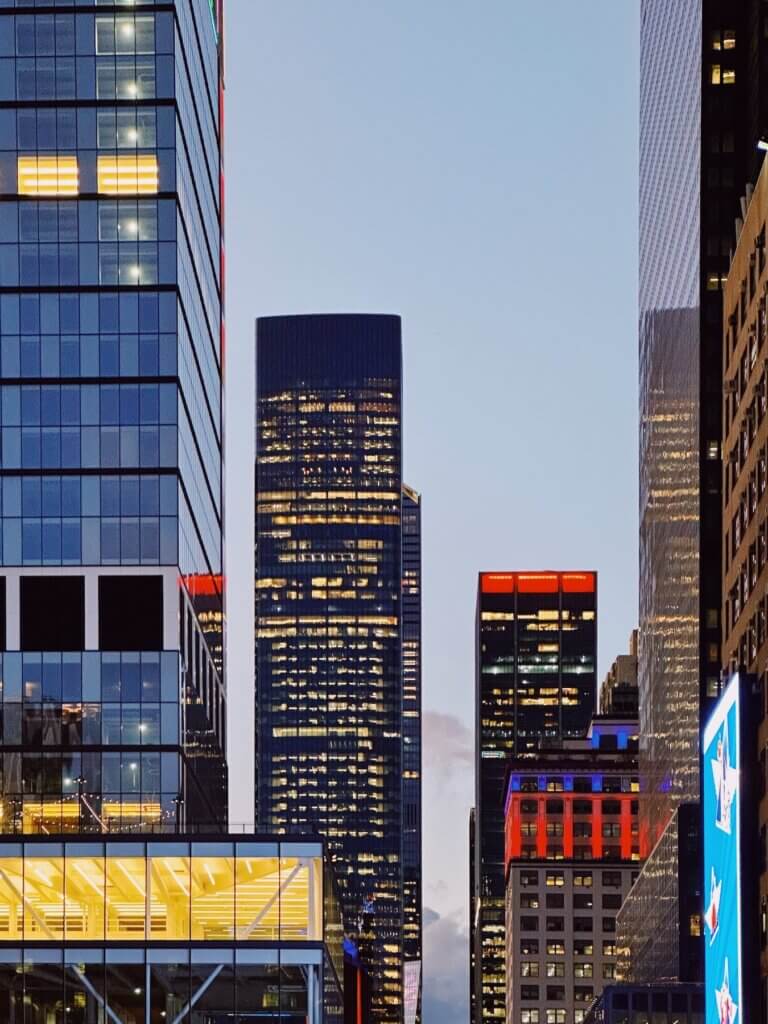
131 174
554 969
556 947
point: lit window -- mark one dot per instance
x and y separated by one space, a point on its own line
729 76
714 74
128 175
48 176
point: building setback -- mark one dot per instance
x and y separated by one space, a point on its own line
536 647
572 853
111 405
329 613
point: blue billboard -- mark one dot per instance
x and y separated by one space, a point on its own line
723 963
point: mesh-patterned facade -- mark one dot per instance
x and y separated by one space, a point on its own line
110 399
700 105
329 570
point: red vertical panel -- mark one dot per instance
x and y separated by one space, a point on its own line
626 828
541 828
597 826
568 826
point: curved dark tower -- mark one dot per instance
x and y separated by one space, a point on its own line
329 680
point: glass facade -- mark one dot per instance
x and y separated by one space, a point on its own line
536 651
168 930
700 69
659 928
411 634
329 570
110 404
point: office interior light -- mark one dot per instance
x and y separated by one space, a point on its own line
48 176
128 175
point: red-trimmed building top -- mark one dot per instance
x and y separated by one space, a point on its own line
538 582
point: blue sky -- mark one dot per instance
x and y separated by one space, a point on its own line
472 167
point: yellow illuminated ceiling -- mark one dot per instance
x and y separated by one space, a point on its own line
200 898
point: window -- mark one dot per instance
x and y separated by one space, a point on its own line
52 611
555 948
609 948
581 784
611 901
554 806
609 924
582 829
582 970
529 924
529 900
529 992
555 879
555 924
555 969
528 828
128 175
583 993
529 1016
611 879
555 901
582 924
528 878
125 34
611 830
583 880
48 176
127 129
582 806
529 969
555 1016
556 993
583 947
2 613
529 947
609 972
131 613
582 901
554 828
612 806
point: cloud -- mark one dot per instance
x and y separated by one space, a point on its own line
448 745
446 969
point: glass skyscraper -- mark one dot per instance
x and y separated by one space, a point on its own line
331 557
536 665
411 731
700 118
113 700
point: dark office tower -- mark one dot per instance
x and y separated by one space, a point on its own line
536 653
472 998
110 396
700 116
329 555
411 732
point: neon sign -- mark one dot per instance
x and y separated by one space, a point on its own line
722 860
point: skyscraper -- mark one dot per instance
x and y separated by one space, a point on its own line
329 611
411 732
111 398
701 111
536 654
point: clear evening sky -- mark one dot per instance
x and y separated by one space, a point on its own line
472 167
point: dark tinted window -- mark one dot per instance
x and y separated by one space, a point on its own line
131 613
2 613
52 612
